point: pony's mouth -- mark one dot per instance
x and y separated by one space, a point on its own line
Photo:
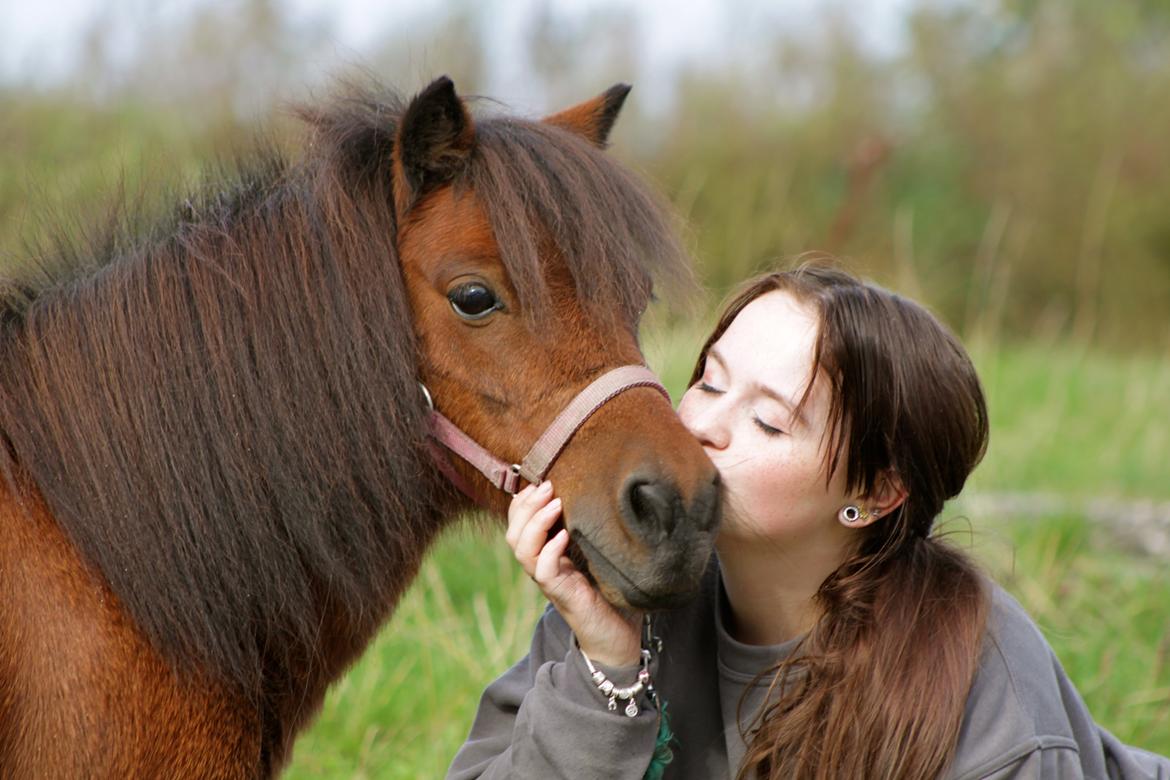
593 563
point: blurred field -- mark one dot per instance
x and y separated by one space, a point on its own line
405 708
1006 166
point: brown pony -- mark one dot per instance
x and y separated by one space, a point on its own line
216 479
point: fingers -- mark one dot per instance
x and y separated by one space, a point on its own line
530 517
609 636
560 581
534 535
524 505
515 514
533 512
549 564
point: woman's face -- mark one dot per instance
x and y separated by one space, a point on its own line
772 463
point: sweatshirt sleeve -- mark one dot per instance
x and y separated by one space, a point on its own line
1041 763
544 718
1063 762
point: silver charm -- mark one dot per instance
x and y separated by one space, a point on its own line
628 695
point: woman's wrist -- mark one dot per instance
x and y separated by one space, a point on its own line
610 635
613 655
612 683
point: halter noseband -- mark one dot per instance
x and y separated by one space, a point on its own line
536 464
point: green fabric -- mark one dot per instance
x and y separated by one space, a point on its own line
663 755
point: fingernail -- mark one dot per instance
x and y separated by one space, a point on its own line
556 502
545 487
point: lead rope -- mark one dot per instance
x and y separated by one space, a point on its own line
663 754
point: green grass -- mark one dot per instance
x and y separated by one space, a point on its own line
404 709
1077 423
1063 421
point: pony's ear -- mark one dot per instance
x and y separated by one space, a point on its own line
433 145
594 118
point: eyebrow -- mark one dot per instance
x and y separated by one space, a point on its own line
775 395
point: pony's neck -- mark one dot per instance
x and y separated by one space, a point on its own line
226 423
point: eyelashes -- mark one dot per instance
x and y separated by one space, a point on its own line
768 430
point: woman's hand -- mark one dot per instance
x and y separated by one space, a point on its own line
604 633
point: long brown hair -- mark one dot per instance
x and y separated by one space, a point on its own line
878 686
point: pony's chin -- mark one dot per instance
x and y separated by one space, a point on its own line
671 587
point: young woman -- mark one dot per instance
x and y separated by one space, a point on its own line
834 637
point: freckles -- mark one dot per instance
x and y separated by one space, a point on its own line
754 476
787 476
773 466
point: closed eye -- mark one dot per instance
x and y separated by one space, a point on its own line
763 426
768 429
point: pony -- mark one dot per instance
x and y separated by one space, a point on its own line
219 468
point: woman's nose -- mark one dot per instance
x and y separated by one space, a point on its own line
705 421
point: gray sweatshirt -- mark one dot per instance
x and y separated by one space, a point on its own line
544 718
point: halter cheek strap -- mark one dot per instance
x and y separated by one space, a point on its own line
540 458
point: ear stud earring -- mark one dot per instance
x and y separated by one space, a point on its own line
852 514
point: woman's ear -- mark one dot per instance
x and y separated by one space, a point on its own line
886 496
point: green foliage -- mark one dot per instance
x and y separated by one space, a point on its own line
1006 166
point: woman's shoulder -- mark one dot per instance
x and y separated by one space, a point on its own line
1016 705
1024 711
1018 662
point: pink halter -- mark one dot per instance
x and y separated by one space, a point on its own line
548 447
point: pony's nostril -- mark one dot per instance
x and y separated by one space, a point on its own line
653 505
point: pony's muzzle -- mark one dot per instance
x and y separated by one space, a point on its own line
657 559
654 509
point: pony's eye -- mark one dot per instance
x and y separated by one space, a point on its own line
473 301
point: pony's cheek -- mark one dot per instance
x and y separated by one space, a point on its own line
580 514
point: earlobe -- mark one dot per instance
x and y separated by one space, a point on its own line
885 498
593 119
857 516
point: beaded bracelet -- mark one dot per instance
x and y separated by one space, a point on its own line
607 688
626 694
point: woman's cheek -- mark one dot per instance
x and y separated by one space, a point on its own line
749 487
772 482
